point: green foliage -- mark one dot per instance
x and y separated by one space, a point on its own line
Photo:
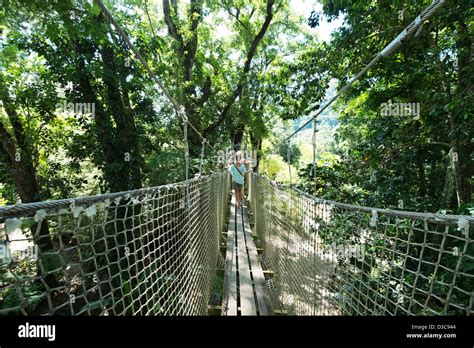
97 306
388 159
4 193
277 169
294 152
32 292
135 139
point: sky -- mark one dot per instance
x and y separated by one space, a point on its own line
300 8
325 28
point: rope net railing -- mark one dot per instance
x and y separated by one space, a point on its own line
144 252
330 258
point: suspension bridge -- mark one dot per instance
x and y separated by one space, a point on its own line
184 249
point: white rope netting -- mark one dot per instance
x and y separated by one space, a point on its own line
144 252
330 258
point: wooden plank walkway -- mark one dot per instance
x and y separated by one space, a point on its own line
230 291
245 291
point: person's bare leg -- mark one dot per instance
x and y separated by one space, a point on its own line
238 196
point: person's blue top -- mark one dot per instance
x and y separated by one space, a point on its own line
236 176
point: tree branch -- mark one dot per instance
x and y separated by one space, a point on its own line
206 93
149 19
190 47
186 48
8 146
14 118
247 65
237 17
172 30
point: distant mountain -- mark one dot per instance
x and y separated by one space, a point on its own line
326 122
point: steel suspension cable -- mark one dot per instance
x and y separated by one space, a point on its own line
288 154
314 153
413 27
137 54
179 109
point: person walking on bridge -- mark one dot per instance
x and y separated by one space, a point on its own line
237 171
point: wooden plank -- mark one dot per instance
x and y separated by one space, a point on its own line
214 310
281 312
247 298
264 302
268 274
230 291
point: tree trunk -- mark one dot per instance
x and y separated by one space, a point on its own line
103 124
462 164
127 169
248 63
23 174
421 175
238 135
256 145
464 146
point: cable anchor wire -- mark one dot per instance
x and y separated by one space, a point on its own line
288 153
203 145
314 153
